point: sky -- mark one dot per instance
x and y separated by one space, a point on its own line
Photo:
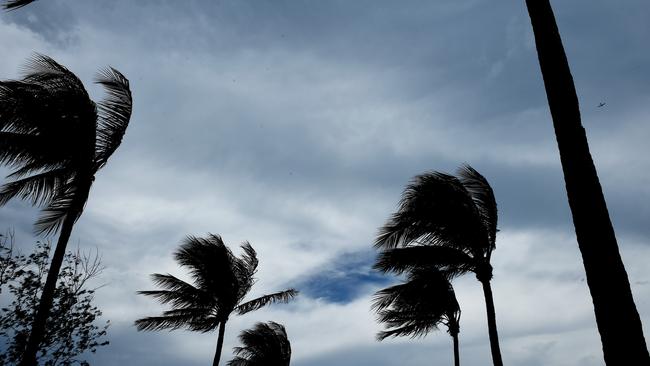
296 124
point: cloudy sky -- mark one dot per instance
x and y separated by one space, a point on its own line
295 125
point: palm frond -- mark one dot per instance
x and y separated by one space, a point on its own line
56 81
40 64
21 105
198 254
417 306
425 289
238 361
114 114
178 293
214 269
249 258
31 154
435 209
265 344
413 330
51 110
449 261
17 149
66 201
278 297
40 188
15 4
483 197
193 319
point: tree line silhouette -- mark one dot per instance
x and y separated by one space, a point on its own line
54 139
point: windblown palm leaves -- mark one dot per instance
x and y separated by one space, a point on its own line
266 344
448 223
54 139
221 281
419 305
15 4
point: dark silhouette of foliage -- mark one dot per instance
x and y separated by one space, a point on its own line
55 139
15 4
618 321
72 330
449 223
266 344
221 282
419 305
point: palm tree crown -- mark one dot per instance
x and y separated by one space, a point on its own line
442 210
417 306
448 223
55 138
221 281
265 344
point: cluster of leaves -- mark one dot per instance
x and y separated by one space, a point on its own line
265 344
221 281
71 327
417 306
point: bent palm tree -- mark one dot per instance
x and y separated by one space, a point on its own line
265 344
449 223
418 306
55 139
618 321
15 4
221 281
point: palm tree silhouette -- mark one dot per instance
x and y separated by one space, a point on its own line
55 138
449 223
618 321
418 306
266 344
221 281
15 4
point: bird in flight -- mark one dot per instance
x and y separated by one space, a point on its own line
601 104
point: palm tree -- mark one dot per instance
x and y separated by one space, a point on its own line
617 318
265 344
221 281
55 139
449 223
15 4
419 305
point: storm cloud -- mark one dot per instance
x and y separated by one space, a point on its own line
296 124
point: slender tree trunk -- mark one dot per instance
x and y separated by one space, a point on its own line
492 324
47 297
456 350
217 355
617 319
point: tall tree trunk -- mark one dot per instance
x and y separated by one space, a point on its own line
617 319
456 350
47 297
492 324
217 355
